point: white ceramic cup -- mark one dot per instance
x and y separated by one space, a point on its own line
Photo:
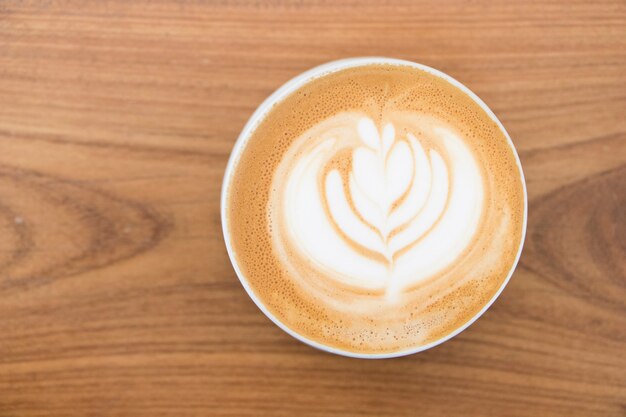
240 146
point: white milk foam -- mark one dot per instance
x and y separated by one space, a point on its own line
403 210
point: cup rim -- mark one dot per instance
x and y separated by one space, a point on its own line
260 113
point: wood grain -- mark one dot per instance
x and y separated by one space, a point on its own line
116 294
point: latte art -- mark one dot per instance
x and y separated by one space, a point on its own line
374 207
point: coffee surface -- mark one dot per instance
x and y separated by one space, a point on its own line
375 209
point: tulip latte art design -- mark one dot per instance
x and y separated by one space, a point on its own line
376 209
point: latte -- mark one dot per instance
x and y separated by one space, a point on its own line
375 209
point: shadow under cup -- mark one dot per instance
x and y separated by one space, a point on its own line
250 235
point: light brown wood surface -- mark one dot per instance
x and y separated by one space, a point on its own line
116 294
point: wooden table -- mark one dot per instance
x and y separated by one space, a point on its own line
116 294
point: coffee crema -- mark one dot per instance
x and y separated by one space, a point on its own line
375 209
